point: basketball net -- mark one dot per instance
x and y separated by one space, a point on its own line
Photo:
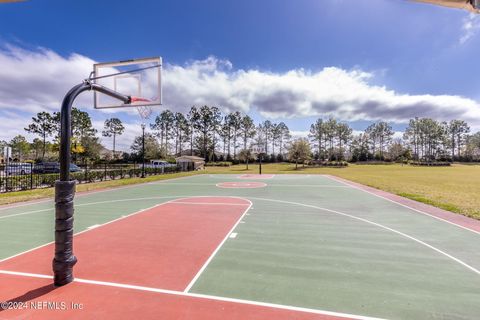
143 111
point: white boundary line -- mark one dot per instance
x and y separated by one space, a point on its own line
199 296
90 192
122 217
86 230
400 204
26 274
192 282
110 201
270 184
378 225
209 203
88 204
256 176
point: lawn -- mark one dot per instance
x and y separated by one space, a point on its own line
455 188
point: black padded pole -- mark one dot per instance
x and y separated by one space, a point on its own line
64 259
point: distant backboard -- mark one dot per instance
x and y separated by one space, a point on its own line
258 149
139 78
7 154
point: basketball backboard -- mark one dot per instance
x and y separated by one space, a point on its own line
7 154
140 79
258 149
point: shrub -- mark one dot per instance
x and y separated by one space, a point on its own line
430 164
218 164
333 164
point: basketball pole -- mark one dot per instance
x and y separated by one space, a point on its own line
260 166
143 150
64 259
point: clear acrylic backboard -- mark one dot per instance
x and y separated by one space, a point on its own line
140 79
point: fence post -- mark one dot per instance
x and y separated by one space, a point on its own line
105 171
31 175
6 178
86 172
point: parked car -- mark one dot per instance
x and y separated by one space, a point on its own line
75 168
159 164
18 168
47 167
53 167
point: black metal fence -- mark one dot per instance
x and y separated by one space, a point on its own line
27 176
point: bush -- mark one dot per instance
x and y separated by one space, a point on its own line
332 164
171 160
431 164
374 162
218 164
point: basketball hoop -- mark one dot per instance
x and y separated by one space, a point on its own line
258 150
145 111
115 85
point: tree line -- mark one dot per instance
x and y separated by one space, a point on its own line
85 142
424 139
206 132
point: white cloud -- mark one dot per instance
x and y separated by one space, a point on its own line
470 27
344 94
36 80
299 133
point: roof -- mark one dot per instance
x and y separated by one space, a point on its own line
471 5
193 158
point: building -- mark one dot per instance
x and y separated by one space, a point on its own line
107 154
189 163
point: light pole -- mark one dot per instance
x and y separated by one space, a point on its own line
143 150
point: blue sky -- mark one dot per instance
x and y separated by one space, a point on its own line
394 58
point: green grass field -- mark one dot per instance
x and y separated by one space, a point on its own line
454 188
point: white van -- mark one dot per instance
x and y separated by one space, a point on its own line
18 168
158 163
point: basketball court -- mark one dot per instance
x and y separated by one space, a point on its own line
298 247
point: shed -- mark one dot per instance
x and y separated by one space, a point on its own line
189 163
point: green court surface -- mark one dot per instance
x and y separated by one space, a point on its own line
307 241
